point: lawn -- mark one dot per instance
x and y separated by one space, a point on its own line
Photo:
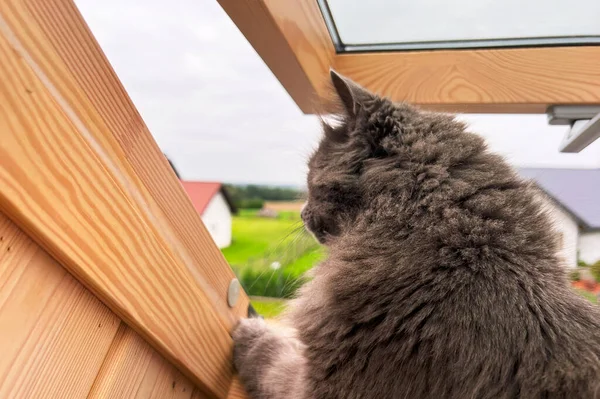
588 295
306 261
271 255
267 307
254 236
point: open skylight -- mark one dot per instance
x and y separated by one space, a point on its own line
383 25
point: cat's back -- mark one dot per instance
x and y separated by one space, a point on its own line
480 339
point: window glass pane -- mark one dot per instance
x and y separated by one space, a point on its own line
479 23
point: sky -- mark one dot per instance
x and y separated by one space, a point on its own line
218 112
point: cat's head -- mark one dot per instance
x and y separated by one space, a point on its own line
366 163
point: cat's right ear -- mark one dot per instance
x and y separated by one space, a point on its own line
351 94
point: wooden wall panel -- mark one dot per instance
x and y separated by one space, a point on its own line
54 334
70 82
237 391
132 369
81 174
67 184
59 341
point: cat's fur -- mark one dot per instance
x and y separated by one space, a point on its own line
442 280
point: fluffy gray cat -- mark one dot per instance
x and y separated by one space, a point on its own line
442 280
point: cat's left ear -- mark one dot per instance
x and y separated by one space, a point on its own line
352 95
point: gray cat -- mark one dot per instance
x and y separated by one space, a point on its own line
442 280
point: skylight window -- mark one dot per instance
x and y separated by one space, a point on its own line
383 25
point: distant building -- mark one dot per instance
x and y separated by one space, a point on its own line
215 208
574 202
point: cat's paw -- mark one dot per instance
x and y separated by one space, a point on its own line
245 335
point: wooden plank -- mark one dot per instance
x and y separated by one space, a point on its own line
132 369
54 333
56 37
292 39
65 182
237 391
198 395
162 380
500 80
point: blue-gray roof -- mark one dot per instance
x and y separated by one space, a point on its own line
577 190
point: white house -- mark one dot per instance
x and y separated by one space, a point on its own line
215 208
574 201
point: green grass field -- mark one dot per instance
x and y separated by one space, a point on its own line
588 295
306 261
253 236
260 242
268 308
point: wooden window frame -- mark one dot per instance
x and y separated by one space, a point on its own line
293 40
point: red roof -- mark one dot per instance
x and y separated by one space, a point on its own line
201 193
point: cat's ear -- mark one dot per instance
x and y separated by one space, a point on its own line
351 94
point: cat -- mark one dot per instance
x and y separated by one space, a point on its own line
442 278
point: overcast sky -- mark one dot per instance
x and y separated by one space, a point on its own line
219 113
